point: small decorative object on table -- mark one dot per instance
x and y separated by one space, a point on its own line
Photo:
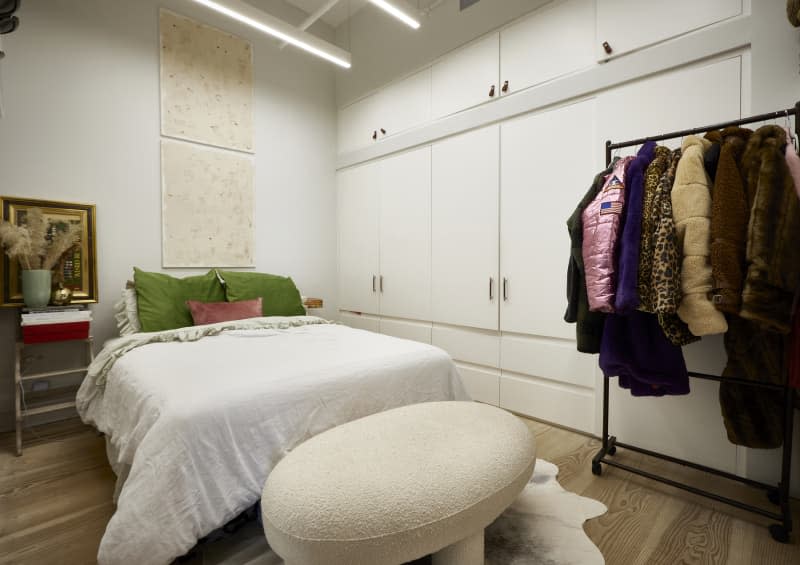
46 242
61 295
310 303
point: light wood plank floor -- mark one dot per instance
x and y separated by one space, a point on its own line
55 501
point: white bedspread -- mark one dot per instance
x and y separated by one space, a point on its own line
196 426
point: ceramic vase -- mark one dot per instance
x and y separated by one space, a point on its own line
36 285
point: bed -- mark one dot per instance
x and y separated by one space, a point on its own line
195 418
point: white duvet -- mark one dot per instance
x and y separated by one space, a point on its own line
194 427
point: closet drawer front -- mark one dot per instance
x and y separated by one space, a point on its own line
360 321
565 405
482 384
463 79
631 24
470 346
405 104
566 28
416 331
550 359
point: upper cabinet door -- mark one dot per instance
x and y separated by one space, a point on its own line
405 104
358 122
564 28
405 242
466 77
358 216
547 164
631 24
465 202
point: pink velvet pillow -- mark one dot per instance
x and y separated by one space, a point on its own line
213 312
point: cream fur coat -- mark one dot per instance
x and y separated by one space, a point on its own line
691 208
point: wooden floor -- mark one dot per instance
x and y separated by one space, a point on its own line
55 501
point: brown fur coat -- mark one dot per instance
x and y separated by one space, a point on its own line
730 212
773 238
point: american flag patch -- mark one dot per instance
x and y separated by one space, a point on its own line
610 208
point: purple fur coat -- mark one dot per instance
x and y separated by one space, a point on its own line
627 297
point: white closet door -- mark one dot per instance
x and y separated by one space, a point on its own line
463 78
358 214
566 28
357 122
630 24
547 163
466 229
405 220
405 104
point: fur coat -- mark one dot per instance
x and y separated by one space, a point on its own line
588 325
627 296
649 215
691 206
730 213
773 252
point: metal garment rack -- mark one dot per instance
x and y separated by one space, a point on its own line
777 494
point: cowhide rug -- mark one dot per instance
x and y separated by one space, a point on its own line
544 526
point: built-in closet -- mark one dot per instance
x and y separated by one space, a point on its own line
489 246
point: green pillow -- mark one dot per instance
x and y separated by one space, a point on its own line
162 298
279 296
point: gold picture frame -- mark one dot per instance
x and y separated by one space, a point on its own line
78 270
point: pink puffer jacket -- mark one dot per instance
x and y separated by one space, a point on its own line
601 229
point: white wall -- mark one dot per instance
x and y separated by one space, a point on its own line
81 97
384 49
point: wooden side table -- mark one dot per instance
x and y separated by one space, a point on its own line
33 403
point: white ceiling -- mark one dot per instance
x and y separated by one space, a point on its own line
338 14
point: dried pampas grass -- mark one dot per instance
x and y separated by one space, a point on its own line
29 245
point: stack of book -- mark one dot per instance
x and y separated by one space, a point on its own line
40 325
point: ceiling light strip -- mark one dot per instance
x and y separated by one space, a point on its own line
399 10
266 23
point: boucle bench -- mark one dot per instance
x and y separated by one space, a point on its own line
398 485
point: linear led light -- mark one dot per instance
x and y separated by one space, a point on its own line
253 17
398 10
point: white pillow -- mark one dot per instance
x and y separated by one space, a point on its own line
126 312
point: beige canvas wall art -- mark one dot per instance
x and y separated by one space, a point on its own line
208 202
206 84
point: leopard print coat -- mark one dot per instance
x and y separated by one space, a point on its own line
649 215
664 291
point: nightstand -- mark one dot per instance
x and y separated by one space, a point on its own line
32 403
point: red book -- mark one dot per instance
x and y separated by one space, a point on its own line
55 332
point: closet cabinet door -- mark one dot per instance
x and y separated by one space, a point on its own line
357 122
465 229
405 104
566 28
465 77
631 24
547 163
405 242
358 216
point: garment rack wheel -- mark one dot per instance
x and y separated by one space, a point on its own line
774 496
779 533
612 450
597 469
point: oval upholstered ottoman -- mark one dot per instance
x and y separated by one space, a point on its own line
398 485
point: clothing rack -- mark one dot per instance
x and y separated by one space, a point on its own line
777 494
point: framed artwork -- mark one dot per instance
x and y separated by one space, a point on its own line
77 269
